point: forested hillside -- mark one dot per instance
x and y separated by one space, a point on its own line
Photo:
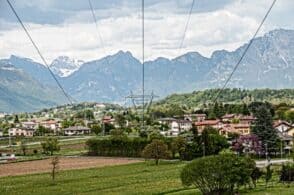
236 96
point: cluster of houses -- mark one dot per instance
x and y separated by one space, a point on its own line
229 123
29 128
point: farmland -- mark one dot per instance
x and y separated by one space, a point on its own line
137 178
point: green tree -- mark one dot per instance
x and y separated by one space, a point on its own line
268 174
50 145
156 150
219 174
178 145
121 120
23 147
96 129
263 126
16 120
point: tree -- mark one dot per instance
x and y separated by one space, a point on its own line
108 127
156 150
178 145
50 145
245 110
268 174
219 174
16 120
255 175
23 147
263 126
42 130
247 144
54 163
117 134
212 142
121 120
96 129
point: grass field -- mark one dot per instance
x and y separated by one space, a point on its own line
138 178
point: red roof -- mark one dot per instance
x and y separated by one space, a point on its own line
207 122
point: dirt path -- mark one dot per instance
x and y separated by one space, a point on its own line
66 163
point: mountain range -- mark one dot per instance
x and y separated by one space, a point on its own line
269 63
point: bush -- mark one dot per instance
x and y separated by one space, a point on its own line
287 173
219 174
117 147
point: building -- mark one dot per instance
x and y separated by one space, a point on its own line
217 124
29 124
246 119
195 117
175 126
52 125
77 130
21 131
282 126
242 129
108 120
228 118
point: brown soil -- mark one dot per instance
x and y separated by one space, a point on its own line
65 163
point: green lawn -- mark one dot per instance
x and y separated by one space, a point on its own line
139 178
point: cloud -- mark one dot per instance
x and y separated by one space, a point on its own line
214 25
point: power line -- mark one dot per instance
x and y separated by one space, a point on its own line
183 37
245 51
100 39
187 24
39 52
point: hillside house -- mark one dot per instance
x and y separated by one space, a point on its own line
195 117
53 125
21 131
282 126
77 130
175 126
228 118
217 124
29 124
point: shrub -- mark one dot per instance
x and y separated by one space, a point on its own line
287 173
219 174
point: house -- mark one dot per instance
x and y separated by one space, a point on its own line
175 126
77 130
217 124
242 129
195 117
228 117
282 126
21 131
246 119
290 131
52 125
29 124
108 120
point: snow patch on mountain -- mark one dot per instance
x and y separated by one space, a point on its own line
64 66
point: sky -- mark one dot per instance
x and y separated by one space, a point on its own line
67 28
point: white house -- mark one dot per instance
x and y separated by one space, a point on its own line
77 130
175 126
21 131
282 126
29 124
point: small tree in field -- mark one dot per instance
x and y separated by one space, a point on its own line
54 163
50 145
156 150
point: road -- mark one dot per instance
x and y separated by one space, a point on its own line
263 163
